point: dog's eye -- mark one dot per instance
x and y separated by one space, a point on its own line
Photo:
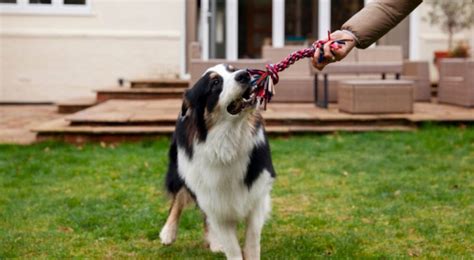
215 82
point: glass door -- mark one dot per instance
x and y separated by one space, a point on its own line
211 29
255 27
301 21
342 10
217 29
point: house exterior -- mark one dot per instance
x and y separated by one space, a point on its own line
56 49
51 50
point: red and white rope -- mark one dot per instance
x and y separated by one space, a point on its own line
266 79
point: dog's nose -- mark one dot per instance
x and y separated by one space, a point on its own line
242 77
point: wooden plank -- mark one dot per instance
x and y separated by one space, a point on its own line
114 120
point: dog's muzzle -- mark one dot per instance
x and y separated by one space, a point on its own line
248 97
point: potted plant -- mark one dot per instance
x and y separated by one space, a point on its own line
452 16
461 50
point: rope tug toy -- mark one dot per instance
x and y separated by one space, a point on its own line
265 80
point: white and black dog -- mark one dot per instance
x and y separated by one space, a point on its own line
220 158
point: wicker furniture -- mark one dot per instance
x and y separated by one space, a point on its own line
296 83
372 63
419 72
300 83
366 64
198 67
333 81
376 96
456 83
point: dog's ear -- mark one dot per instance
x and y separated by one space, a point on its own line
194 105
184 108
198 92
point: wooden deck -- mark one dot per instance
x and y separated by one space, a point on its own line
120 120
142 111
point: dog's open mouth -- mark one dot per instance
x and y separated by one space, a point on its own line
248 99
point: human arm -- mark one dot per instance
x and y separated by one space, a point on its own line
377 18
366 27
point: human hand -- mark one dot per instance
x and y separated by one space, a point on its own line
333 55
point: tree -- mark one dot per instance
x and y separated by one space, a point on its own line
452 15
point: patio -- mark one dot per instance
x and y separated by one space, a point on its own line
369 100
125 120
16 121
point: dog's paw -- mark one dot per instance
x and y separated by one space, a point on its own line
215 247
213 244
167 235
251 255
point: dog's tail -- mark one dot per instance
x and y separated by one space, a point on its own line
173 182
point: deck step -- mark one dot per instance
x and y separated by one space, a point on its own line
139 93
74 105
170 120
297 129
130 120
164 113
60 130
159 83
129 113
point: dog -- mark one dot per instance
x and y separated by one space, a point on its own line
220 158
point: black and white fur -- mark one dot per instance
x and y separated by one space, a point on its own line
220 158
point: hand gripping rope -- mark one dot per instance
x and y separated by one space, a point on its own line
265 80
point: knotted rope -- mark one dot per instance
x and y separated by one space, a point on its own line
265 80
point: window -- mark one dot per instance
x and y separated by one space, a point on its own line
74 2
45 6
342 10
255 27
301 22
40 2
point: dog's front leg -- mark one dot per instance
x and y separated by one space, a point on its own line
226 233
252 237
253 231
170 229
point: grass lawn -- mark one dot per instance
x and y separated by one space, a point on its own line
343 195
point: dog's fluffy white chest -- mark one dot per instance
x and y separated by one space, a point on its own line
217 170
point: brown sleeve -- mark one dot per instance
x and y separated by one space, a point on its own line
377 18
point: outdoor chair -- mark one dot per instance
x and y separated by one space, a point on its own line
334 80
296 83
419 72
373 63
456 83
198 66
381 62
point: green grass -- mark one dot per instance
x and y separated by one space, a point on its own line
343 195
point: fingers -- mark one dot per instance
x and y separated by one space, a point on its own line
318 66
336 54
315 60
328 56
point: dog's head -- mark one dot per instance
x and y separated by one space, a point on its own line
222 92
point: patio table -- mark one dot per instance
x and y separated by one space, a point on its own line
348 68
376 96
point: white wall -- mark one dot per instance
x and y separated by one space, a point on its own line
52 57
431 38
